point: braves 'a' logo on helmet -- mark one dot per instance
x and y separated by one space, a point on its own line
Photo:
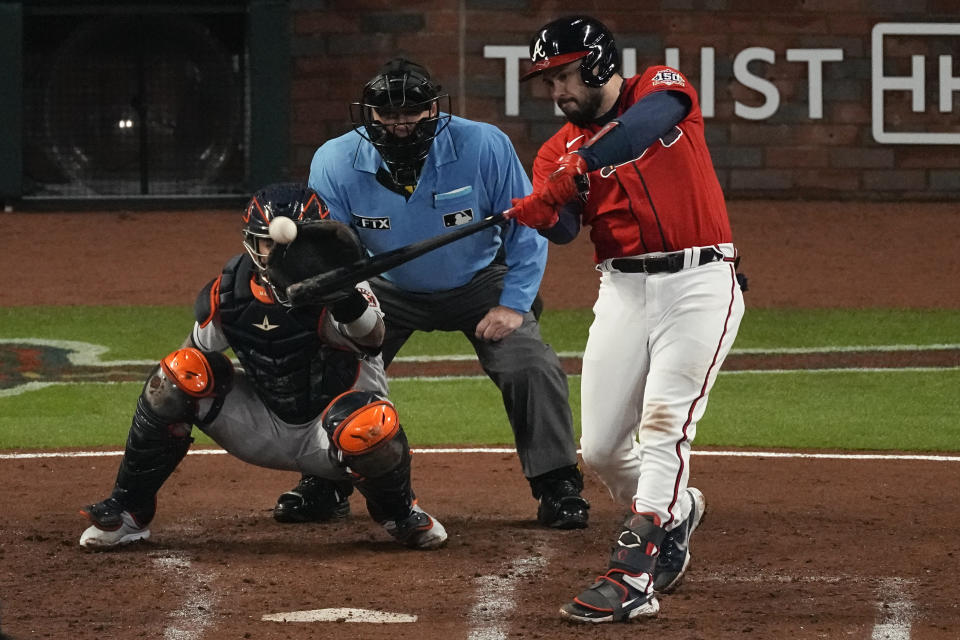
538 52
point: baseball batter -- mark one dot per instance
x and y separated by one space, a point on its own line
310 397
632 164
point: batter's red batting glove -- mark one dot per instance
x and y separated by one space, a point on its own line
533 212
567 181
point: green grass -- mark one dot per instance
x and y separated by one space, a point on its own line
150 332
89 415
468 411
826 410
895 410
901 410
767 328
566 330
132 333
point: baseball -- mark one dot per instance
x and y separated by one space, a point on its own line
283 230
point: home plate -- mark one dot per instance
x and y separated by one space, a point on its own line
339 615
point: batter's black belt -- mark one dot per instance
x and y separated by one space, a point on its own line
663 263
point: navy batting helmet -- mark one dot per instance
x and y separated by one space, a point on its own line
575 38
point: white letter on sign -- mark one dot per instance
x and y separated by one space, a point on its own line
760 85
815 59
512 55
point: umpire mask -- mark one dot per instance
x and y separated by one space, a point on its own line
400 112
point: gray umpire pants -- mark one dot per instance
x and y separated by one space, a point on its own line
527 371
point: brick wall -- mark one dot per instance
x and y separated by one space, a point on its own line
802 126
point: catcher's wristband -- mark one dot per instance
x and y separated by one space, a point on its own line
362 325
350 308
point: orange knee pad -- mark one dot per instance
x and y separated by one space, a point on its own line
365 432
182 378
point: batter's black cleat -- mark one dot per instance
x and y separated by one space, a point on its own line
562 506
612 598
315 499
113 526
675 555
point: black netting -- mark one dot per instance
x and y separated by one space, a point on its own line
135 105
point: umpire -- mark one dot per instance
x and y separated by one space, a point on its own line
409 170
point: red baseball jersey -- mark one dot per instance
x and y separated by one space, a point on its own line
667 199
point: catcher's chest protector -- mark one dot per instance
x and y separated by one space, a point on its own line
294 372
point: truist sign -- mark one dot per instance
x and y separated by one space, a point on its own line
933 76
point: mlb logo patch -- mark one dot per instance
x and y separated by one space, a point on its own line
458 218
370 223
668 77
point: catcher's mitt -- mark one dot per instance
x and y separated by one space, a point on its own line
320 246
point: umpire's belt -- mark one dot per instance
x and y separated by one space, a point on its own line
671 262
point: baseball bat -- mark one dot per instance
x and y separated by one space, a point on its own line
348 275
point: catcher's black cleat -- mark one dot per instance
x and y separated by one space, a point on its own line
112 526
611 599
314 499
419 530
562 507
674 555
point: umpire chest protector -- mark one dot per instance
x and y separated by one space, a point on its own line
294 372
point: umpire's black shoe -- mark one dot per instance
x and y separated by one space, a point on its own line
562 506
674 555
315 499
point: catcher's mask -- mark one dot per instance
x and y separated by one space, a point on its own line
288 199
575 38
399 93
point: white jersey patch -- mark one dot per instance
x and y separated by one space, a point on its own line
668 77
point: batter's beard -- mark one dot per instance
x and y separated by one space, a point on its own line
582 114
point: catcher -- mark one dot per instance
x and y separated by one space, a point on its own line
310 396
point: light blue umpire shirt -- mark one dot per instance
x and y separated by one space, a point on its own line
472 172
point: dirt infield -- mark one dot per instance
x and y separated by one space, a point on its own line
823 254
799 548
791 547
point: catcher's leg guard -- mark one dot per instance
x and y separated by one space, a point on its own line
366 438
159 436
